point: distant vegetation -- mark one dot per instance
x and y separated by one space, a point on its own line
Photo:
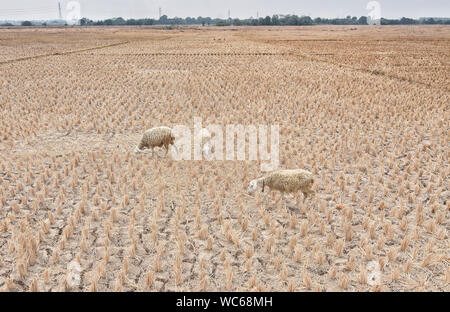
275 20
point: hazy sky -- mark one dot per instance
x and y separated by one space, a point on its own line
100 9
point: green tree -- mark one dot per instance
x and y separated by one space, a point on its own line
222 23
267 21
407 21
85 21
237 22
163 20
362 20
119 21
275 20
305 20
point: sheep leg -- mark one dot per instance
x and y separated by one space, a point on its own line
308 193
272 194
287 197
284 202
294 198
311 192
297 199
305 196
176 148
166 146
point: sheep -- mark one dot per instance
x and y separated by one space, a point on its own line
156 137
285 181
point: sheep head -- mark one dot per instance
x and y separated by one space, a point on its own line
172 140
254 184
137 150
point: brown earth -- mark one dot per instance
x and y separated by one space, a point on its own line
366 109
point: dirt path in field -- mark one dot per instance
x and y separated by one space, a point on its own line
62 53
296 47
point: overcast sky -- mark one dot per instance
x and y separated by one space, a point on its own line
101 9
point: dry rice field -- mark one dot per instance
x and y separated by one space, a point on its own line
366 109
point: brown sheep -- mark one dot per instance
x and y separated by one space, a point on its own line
285 181
156 137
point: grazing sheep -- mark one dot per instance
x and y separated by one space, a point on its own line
285 181
156 137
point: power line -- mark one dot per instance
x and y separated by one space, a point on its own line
59 10
30 13
42 15
8 11
44 12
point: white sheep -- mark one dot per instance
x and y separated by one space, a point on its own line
285 181
156 137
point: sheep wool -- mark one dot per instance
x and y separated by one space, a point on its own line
156 137
286 181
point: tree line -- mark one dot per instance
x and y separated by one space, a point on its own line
275 20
